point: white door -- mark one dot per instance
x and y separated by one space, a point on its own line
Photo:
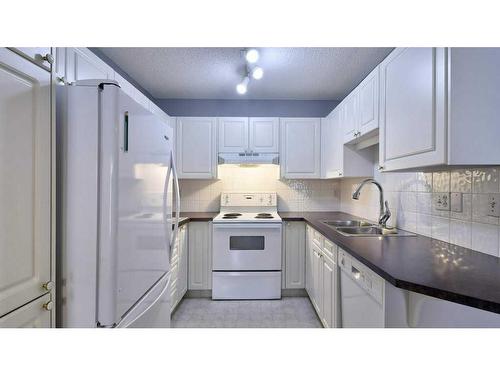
295 256
349 119
199 256
25 187
300 147
264 134
83 64
328 289
309 262
368 109
332 146
36 314
317 268
196 147
413 108
182 279
233 134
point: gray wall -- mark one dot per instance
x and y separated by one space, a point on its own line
247 108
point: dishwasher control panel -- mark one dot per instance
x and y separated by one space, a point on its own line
362 275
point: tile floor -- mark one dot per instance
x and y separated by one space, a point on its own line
289 312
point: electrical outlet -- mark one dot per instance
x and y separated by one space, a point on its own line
493 205
442 201
456 202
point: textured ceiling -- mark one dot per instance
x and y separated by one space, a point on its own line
212 73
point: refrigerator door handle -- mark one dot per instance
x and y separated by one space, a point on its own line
122 323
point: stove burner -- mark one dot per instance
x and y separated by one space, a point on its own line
264 216
229 217
232 214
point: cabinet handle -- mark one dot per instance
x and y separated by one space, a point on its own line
48 286
380 167
49 58
48 305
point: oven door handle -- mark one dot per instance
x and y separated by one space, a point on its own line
247 226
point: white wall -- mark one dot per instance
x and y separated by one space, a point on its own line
293 195
410 200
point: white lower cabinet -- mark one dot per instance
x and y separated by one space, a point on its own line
294 254
178 268
321 277
36 314
200 256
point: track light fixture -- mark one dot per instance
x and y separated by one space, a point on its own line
252 71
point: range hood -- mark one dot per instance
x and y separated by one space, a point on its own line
248 158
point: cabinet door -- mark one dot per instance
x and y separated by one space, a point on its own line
295 243
83 64
328 289
183 262
332 146
349 118
412 108
233 134
300 147
264 134
196 147
32 315
317 269
309 261
25 188
368 109
200 256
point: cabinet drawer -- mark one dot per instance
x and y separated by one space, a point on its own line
317 238
329 249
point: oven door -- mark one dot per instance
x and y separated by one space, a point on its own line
246 247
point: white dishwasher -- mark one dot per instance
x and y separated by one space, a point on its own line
361 293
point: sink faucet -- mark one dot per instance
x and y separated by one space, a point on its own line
385 213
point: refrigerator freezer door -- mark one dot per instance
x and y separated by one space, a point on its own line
135 149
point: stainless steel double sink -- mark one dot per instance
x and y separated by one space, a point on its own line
361 228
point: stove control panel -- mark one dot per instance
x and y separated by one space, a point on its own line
230 199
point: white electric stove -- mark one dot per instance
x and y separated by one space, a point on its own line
247 247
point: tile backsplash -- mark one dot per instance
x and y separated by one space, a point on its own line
413 198
293 195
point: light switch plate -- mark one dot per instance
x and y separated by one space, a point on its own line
442 201
493 208
456 202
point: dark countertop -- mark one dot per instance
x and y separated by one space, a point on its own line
186 217
419 264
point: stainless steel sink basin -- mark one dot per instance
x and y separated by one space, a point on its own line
347 223
372 231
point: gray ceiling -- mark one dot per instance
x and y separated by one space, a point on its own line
212 73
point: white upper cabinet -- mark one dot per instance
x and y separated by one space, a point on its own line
233 134
413 108
337 159
25 190
360 110
349 114
196 147
368 107
83 64
243 134
300 147
264 134
39 55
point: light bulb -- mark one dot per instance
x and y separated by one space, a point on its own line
241 88
252 55
257 72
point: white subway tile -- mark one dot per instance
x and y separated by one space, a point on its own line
461 233
486 180
440 228
424 224
485 238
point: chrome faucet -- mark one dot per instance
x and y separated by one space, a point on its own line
385 213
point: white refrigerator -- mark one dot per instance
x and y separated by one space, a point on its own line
116 176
